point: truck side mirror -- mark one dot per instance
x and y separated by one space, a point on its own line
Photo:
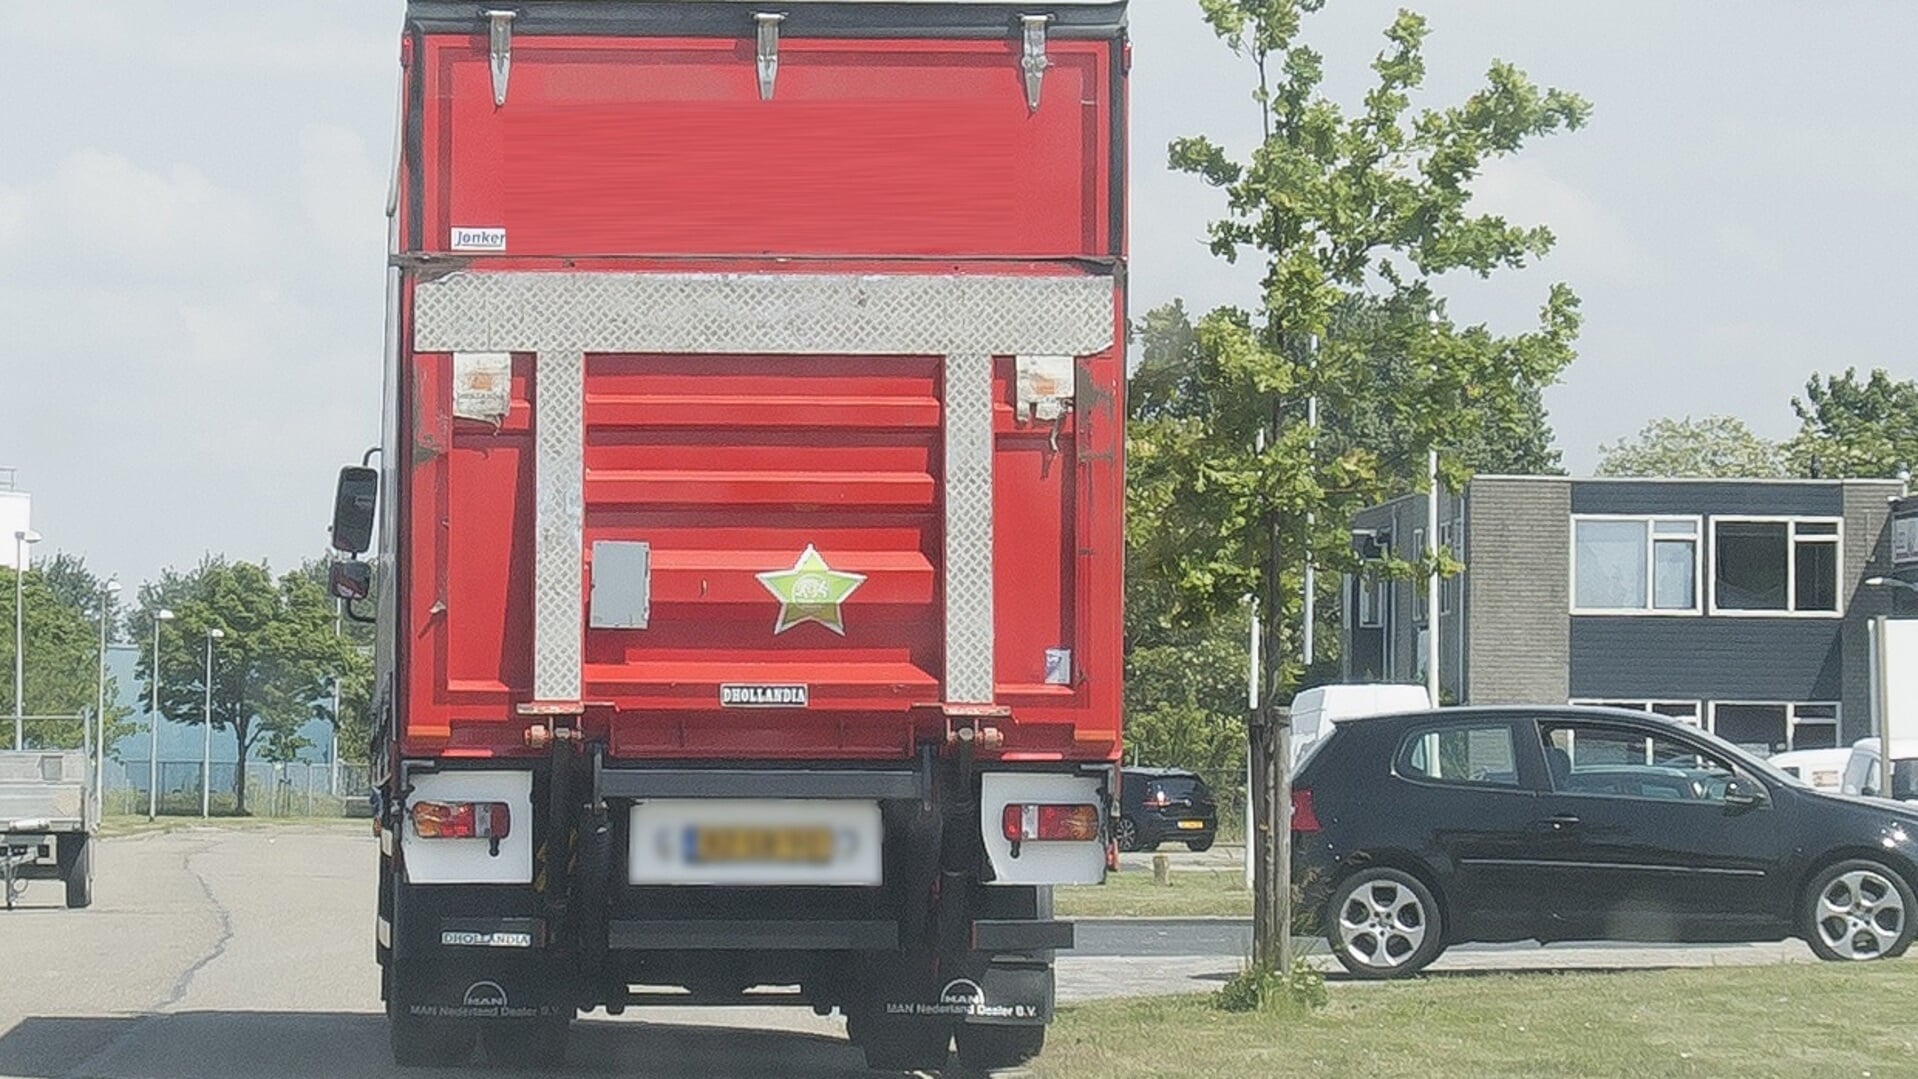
353 506
349 580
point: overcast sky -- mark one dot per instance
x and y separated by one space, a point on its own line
191 234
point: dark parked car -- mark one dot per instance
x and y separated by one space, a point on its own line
1415 832
1160 804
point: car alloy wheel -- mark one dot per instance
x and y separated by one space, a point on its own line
1127 834
1385 924
1860 911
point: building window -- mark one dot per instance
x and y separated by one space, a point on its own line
1635 565
1691 712
1767 728
1775 566
1371 586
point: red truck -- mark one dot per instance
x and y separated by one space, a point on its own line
749 514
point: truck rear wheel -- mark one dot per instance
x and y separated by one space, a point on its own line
427 1043
516 1045
989 1048
79 874
895 1043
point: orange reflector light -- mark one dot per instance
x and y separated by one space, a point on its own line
1027 823
462 820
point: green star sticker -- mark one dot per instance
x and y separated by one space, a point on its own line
811 591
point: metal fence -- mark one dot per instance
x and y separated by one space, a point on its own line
298 789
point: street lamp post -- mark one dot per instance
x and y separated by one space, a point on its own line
206 730
107 592
153 720
1881 661
21 540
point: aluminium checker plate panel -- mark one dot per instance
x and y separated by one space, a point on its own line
968 319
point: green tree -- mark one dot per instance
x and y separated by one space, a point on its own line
1715 447
80 589
271 669
1167 384
62 660
1358 212
354 721
1855 429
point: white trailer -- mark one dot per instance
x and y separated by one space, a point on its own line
47 822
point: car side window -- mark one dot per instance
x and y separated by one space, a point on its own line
1474 754
1583 758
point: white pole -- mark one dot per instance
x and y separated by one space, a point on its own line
20 541
1432 580
160 617
333 757
1256 648
1881 703
107 592
206 730
1311 523
19 642
1311 561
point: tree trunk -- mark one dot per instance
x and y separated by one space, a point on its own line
1270 733
239 767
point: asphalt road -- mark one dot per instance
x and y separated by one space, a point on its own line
247 954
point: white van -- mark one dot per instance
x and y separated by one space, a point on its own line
1315 711
1861 771
1819 769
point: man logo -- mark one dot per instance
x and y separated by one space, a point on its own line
963 993
484 995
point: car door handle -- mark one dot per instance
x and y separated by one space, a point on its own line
1563 822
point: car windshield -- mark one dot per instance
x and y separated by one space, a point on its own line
1751 762
1179 789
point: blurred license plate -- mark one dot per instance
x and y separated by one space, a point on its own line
801 846
1191 825
749 842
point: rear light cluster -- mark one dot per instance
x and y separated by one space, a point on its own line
1045 823
462 820
1157 796
1305 820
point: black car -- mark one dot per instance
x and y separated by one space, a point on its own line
1415 832
1160 804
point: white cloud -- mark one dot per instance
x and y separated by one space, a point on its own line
342 191
13 215
230 36
102 215
1591 242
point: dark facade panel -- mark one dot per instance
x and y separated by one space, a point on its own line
1710 659
1730 498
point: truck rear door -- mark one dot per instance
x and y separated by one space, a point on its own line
766 387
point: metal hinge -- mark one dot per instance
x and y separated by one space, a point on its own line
768 23
1034 62
499 39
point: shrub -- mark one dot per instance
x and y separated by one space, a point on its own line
1262 989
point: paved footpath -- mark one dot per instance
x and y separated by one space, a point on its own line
246 953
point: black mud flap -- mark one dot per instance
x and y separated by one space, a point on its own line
484 991
1002 991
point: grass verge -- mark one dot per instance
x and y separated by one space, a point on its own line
1192 893
1750 1022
